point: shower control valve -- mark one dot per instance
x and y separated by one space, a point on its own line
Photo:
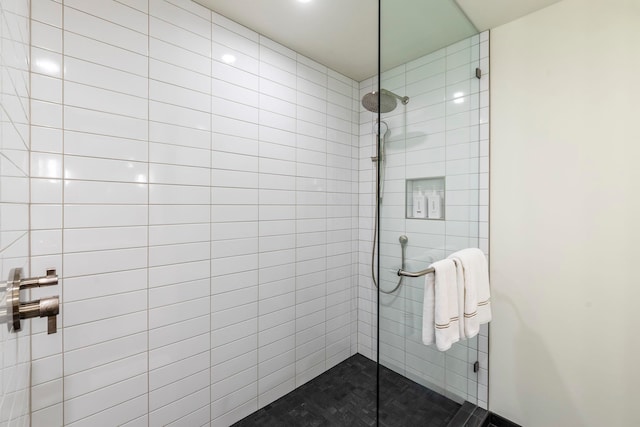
50 279
45 307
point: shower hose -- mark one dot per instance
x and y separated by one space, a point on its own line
403 239
373 257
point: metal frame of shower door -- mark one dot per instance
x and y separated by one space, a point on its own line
377 213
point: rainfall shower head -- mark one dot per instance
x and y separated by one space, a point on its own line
388 101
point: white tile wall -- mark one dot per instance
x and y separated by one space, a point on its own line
14 201
443 131
179 248
194 183
235 224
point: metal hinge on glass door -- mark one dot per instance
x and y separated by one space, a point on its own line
15 310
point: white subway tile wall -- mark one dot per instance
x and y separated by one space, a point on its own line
179 247
15 90
442 131
196 185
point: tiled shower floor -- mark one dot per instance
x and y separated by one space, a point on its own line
345 395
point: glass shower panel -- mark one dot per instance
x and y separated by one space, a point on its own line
428 202
14 204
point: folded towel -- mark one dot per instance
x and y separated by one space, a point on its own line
477 307
440 317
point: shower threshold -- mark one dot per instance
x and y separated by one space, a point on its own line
345 395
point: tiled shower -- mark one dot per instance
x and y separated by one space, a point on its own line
206 195
443 131
195 184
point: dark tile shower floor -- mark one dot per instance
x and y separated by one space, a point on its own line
345 395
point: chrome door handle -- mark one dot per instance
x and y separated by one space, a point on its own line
46 307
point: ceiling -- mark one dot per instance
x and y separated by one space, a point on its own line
343 34
487 14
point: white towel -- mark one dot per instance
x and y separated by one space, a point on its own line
460 288
477 306
440 317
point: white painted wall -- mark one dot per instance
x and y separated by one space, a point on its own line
565 203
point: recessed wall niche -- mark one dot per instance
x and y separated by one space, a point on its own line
425 198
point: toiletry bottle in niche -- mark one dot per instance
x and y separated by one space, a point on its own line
434 205
419 205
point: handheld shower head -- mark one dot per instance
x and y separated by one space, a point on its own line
380 127
403 240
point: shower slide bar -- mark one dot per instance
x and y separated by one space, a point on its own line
424 272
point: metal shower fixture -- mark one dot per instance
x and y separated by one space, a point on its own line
388 101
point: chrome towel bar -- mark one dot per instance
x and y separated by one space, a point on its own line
401 272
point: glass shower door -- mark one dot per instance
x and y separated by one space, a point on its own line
15 353
14 204
428 203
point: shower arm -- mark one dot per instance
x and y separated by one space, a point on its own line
403 99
